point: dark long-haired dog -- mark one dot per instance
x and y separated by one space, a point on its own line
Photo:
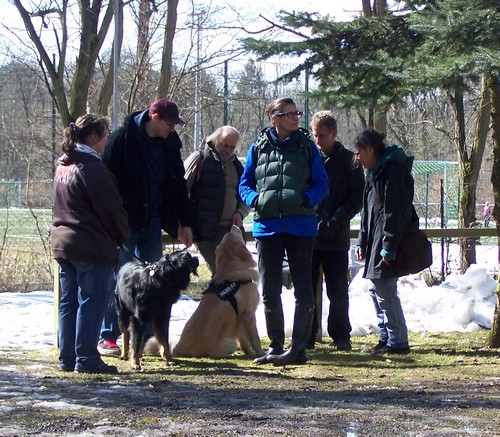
145 294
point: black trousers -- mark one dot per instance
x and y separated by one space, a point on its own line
335 266
271 252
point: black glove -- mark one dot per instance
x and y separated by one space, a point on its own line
328 229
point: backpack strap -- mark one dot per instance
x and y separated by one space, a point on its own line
198 167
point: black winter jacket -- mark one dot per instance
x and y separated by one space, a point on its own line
387 210
344 200
125 157
207 192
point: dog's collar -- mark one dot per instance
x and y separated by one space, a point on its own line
152 269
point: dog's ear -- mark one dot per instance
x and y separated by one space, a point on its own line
236 230
242 253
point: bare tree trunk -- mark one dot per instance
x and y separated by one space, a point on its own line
91 39
380 120
377 117
168 43
469 162
494 88
380 8
142 53
367 8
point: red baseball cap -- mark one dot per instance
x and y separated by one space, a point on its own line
167 110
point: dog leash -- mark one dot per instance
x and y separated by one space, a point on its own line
133 255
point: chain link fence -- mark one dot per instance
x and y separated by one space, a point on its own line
26 263
25 220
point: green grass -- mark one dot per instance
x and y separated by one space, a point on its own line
25 223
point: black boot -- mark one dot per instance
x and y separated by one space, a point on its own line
296 354
276 332
314 332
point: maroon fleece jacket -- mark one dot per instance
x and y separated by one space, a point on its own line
88 218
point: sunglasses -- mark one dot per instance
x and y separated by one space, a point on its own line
291 114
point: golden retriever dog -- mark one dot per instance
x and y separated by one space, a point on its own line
225 316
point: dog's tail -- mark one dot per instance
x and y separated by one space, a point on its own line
152 347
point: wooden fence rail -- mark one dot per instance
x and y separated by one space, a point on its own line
430 232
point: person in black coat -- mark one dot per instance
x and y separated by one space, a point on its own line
387 212
145 157
343 202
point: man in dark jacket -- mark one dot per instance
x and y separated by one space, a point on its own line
343 202
145 157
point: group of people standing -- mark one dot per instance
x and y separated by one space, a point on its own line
122 191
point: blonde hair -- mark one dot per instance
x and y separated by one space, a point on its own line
324 118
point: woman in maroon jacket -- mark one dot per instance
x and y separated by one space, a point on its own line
88 224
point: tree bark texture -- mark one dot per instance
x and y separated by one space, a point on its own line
168 44
91 40
494 90
469 163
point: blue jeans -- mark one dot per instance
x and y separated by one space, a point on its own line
391 320
145 244
85 289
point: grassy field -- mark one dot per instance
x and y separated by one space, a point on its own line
25 223
449 385
25 259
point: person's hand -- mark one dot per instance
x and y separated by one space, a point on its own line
237 219
360 253
185 235
386 260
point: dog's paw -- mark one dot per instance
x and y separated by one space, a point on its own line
124 357
136 367
171 363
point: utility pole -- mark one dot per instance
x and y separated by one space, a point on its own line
226 93
116 63
197 85
306 102
54 155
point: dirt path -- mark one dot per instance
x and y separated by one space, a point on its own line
209 398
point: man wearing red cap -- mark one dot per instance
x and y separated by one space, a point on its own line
145 157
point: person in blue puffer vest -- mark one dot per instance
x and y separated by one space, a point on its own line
283 180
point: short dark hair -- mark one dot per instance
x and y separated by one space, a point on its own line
371 138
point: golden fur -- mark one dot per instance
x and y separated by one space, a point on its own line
214 330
